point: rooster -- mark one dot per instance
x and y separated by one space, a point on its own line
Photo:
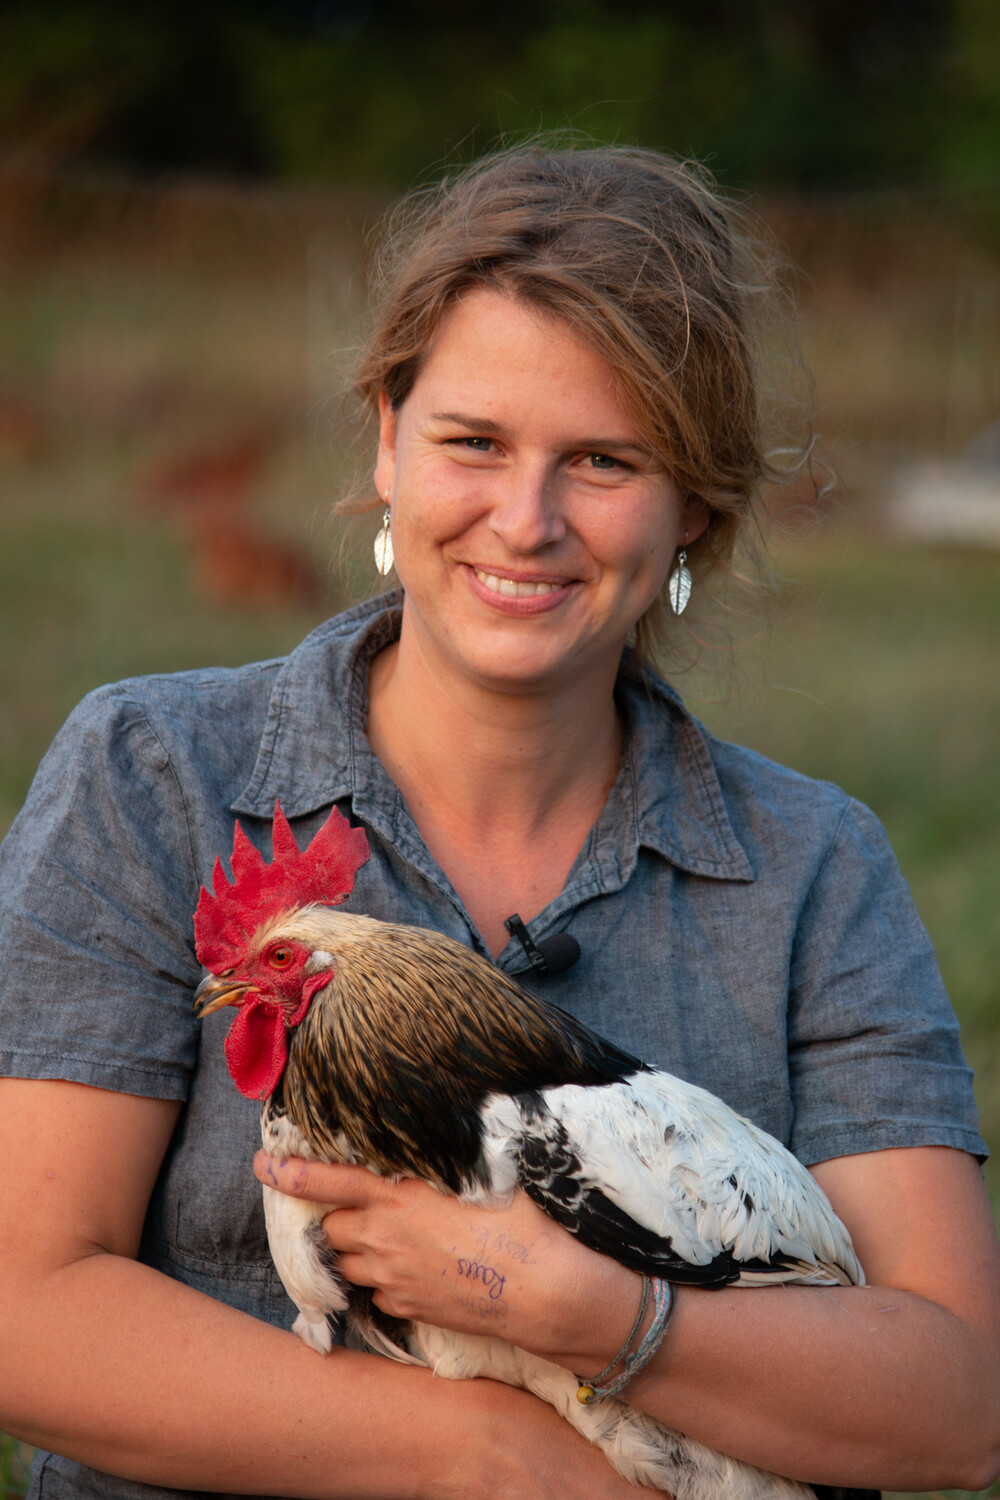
399 1049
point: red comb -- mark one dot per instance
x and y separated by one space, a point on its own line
322 872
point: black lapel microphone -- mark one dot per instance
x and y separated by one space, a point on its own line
550 956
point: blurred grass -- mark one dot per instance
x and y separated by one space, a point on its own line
15 1460
127 345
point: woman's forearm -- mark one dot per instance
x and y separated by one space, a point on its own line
120 1368
893 1385
866 1386
129 1372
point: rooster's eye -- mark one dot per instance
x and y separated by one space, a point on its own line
280 958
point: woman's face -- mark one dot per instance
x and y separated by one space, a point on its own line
532 524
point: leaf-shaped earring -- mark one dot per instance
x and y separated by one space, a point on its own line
383 546
679 587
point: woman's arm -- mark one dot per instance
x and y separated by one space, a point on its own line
893 1385
111 1363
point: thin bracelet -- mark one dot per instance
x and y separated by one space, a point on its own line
664 1300
609 1369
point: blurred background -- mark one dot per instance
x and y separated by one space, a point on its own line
186 197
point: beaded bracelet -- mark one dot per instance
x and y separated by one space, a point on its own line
663 1306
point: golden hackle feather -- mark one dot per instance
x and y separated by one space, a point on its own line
412 1033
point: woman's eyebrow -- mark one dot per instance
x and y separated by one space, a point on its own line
616 445
463 419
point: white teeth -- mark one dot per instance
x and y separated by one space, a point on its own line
512 589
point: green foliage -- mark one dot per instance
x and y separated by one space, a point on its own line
15 1461
776 91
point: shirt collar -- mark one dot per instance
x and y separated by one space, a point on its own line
679 805
312 748
313 751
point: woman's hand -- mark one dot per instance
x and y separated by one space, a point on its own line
516 1447
509 1272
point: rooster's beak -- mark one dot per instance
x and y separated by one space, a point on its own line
213 993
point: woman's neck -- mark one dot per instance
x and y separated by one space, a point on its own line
504 787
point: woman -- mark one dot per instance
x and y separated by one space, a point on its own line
565 389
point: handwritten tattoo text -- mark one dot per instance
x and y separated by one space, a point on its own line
500 1243
491 1279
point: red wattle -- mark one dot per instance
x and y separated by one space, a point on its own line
256 1047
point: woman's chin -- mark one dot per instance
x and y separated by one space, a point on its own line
513 668
556 649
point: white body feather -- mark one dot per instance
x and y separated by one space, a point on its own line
666 1151
670 1156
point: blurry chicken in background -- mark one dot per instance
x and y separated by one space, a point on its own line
236 560
216 478
22 429
238 563
399 1049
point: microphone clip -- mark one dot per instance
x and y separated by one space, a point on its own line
549 957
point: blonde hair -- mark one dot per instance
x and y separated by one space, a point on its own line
646 262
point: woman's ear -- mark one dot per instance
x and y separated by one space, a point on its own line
693 522
385 464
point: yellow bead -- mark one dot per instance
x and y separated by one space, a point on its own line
584 1394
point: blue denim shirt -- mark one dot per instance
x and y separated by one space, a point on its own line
739 925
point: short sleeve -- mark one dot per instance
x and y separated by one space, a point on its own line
97 887
874 1054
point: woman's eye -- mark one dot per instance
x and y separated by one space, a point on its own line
604 461
280 958
477 444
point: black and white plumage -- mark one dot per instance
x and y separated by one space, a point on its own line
418 1058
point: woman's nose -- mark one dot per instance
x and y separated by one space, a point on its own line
527 515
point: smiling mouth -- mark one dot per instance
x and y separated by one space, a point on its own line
512 588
